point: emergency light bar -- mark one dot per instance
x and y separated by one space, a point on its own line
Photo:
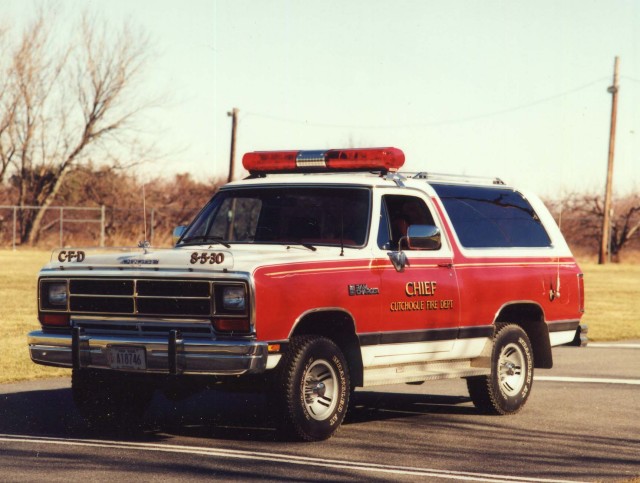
370 159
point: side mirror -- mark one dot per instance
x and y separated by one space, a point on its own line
424 237
419 237
178 231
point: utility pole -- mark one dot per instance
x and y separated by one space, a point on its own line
232 162
605 252
232 157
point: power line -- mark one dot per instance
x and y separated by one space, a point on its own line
430 123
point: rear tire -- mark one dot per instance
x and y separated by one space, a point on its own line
312 389
507 388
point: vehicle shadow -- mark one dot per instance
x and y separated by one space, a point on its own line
370 406
209 414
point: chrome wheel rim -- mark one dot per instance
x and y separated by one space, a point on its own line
320 390
511 369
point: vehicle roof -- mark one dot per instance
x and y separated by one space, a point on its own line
422 181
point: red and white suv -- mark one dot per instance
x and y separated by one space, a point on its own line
321 272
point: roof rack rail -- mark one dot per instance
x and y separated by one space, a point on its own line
454 177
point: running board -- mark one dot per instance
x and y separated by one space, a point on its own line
427 371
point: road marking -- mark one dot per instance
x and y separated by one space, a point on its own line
275 457
605 345
594 380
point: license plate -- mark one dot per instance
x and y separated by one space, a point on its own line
128 358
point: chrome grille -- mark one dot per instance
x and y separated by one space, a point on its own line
141 297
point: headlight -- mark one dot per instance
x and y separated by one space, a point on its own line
57 294
234 298
54 294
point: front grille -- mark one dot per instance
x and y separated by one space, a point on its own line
142 328
101 304
173 306
101 287
171 288
141 297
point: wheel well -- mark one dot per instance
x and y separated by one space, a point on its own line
530 317
340 328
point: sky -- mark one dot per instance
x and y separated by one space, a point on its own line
513 89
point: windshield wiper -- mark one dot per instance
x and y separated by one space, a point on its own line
306 245
205 239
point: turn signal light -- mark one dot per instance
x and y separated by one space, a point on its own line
231 325
56 320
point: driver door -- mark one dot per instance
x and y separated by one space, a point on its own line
421 310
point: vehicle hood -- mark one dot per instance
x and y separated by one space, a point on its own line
241 258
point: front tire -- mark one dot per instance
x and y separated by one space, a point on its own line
507 388
312 390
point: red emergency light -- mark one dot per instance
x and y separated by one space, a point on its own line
358 159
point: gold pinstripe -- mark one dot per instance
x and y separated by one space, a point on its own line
414 265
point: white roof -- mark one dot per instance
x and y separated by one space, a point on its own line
371 179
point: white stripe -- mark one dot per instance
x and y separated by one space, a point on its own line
594 380
280 458
613 345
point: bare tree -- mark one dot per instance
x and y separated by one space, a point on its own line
9 95
625 224
122 196
65 102
581 221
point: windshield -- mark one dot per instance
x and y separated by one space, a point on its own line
284 215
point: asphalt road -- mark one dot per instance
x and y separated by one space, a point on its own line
581 423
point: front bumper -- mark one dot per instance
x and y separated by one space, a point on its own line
172 355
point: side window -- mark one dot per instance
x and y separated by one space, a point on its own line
486 217
384 233
397 214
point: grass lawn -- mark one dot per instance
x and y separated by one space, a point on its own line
19 315
612 308
612 301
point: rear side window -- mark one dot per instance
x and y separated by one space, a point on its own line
485 217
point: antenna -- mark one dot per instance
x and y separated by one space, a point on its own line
342 233
555 293
145 243
144 211
558 271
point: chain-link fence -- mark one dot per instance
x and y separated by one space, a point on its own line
91 226
56 223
